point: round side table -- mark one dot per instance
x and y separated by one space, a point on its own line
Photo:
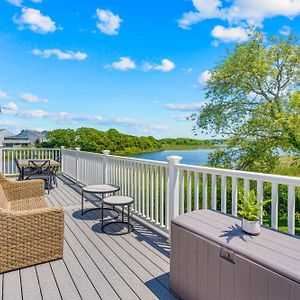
118 201
100 189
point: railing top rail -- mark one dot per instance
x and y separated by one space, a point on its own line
280 179
33 149
139 160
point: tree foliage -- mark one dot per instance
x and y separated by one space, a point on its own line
254 99
93 140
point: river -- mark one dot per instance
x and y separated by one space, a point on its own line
191 157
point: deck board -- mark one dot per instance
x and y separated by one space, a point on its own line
30 284
95 265
12 286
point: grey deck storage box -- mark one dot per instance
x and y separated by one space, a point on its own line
211 258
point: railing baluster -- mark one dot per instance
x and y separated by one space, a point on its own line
260 197
156 194
204 190
189 191
291 209
213 191
274 206
181 191
162 198
152 194
223 194
196 191
147 192
246 186
234 203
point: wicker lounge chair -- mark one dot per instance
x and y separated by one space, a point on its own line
30 232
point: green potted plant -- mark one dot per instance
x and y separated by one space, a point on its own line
250 210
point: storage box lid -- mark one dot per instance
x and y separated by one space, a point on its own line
274 250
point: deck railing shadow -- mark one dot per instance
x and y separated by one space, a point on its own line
141 232
154 286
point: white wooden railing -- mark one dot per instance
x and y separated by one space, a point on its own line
8 156
163 190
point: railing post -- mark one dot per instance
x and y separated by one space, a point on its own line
77 164
173 190
105 165
62 148
1 158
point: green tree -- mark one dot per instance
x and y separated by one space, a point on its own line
254 100
60 137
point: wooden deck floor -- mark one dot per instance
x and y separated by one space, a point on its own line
95 265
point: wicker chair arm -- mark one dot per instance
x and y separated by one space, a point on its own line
18 190
30 237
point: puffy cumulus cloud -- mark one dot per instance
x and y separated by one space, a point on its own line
230 34
34 20
125 63
11 106
15 2
67 118
285 30
61 55
3 95
237 12
180 117
31 98
203 78
108 23
184 106
165 66
204 9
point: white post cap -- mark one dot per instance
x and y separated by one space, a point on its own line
106 152
62 147
174 159
77 148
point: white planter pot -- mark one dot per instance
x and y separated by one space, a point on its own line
251 227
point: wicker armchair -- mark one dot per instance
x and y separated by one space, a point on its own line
30 232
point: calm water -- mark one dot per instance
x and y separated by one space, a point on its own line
191 157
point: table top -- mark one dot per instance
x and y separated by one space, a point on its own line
118 200
276 251
24 162
101 188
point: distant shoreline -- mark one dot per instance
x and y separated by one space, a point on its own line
171 147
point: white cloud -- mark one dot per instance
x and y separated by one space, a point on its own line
15 2
37 1
205 9
31 98
203 78
187 70
231 34
184 106
11 106
285 30
61 55
181 117
34 20
133 125
237 12
3 95
165 66
108 23
124 63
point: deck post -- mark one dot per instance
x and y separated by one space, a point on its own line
77 164
173 190
105 165
1 158
62 148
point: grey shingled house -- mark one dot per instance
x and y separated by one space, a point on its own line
26 138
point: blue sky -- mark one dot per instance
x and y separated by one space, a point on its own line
137 66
